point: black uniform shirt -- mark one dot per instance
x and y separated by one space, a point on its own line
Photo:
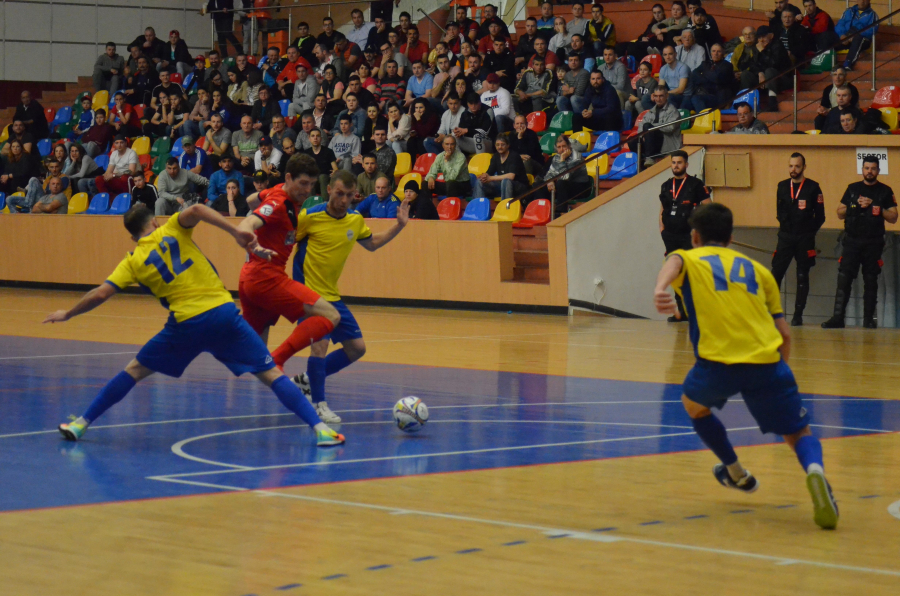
800 207
868 223
679 198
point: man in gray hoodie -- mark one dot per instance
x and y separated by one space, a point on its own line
532 93
108 70
449 121
173 184
345 145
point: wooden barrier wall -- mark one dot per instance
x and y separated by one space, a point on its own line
429 260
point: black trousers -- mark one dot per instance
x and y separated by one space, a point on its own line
855 254
447 189
675 242
801 248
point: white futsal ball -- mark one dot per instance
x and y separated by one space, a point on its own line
411 414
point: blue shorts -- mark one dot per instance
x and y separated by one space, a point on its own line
222 332
348 328
769 390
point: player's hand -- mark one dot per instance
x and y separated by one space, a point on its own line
403 213
57 317
245 239
263 253
665 303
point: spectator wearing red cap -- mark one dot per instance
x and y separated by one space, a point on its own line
177 57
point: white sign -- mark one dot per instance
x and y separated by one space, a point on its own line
880 152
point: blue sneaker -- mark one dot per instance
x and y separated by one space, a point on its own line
825 507
748 483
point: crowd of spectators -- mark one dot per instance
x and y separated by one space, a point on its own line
356 101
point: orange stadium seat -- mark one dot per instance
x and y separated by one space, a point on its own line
450 209
423 163
536 214
887 97
655 61
537 121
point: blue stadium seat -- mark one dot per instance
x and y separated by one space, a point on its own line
627 115
2 201
478 210
751 97
102 161
45 147
605 140
120 205
99 204
63 115
177 148
625 166
284 103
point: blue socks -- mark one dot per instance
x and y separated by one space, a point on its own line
809 451
712 432
319 368
336 362
293 399
110 395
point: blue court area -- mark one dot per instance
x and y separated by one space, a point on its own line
185 436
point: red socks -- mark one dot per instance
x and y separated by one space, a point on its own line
304 335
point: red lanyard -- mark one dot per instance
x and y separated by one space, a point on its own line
675 194
799 188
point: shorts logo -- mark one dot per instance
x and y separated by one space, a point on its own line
268 359
802 412
290 238
266 210
349 234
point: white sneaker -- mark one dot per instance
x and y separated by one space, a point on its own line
325 413
302 381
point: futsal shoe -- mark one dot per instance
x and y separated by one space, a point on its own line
748 483
825 507
72 431
302 381
325 413
797 320
328 438
834 323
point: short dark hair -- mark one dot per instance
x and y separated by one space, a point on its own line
531 19
694 3
301 163
472 97
405 14
872 159
172 161
211 52
137 218
681 4
354 95
679 153
380 127
99 111
302 24
714 222
327 19
369 156
111 44
344 177
453 96
346 117
743 104
138 174
801 156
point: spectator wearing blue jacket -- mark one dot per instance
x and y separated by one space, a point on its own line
603 111
219 180
855 19
194 158
85 121
357 116
381 204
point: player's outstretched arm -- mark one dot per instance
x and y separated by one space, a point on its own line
194 214
253 201
376 241
662 299
88 302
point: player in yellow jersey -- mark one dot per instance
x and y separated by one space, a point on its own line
742 344
203 317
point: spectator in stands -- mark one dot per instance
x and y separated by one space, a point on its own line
547 23
745 53
391 51
55 201
345 144
533 91
501 62
232 202
384 154
144 193
254 85
852 124
289 73
174 184
771 60
578 48
142 83
421 204
326 58
81 169
476 130
260 181
31 113
159 119
638 48
378 34
616 74
666 139
245 144
794 37
108 69
641 97
829 95
602 110
357 115
165 86
217 84
177 58
278 131
490 17
19 167
393 86
420 84
61 154
123 163
324 121
37 187
561 39
526 143
704 27
399 128
333 90
99 136
774 16
499 101
713 81
305 43
689 52
272 65
452 164
600 30
359 31
476 74
424 124
200 113
302 127
449 123
459 86
226 173
820 25
414 49
525 45
540 50
443 77
467 26
324 158
747 123
854 22
381 203
86 120
197 76
151 46
123 117
223 17
831 121
366 98
179 110
218 139
577 25
405 22
576 184
349 52
305 89
505 176
269 160
570 97
237 88
676 77
18 132
216 64
194 159
365 181
131 64
327 37
667 30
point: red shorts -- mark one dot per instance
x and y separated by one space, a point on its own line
264 298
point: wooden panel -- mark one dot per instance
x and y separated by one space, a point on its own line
737 170
714 169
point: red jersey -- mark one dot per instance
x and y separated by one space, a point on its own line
279 215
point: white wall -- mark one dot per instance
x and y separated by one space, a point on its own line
45 40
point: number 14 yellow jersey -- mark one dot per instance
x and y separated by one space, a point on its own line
731 302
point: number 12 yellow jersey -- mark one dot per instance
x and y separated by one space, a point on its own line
731 302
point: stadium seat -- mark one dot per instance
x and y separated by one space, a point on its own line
312 202
625 166
478 210
141 146
12 209
820 64
889 117
404 165
638 122
536 214
49 114
284 103
161 146
101 100
63 130
228 62
253 60
597 166
187 83
634 80
605 140
655 61
78 203
684 114
508 210
99 204
175 77
120 205
751 97
177 148
102 161
63 115
146 161
45 147
813 132
4 135
548 143
480 163
887 97
411 176
450 209
582 137
705 123
139 110
630 63
537 121
3 208
112 103
561 123
423 163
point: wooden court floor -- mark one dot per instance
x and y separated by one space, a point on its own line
654 523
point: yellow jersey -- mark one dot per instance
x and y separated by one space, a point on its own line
167 264
731 303
323 245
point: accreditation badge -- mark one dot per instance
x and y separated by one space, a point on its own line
876 210
801 204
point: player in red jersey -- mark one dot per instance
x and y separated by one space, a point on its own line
265 290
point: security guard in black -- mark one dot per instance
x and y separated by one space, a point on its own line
800 212
864 208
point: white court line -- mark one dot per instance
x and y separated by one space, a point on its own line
894 509
66 355
574 534
871 430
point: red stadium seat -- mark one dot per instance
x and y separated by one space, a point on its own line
423 163
637 124
450 208
536 214
175 77
537 121
654 60
887 97
50 114
289 121
139 110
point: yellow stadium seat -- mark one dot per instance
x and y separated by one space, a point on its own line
508 210
78 204
4 136
480 163
705 123
141 145
404 165
101 100
530 179
600 162
582 137
813 132
406 178
889 117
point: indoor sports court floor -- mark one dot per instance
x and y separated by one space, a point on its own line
557 460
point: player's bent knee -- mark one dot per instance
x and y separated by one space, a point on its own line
792 439
269 376
137 371
355 349
693 409
323 308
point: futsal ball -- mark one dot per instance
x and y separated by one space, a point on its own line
411 414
